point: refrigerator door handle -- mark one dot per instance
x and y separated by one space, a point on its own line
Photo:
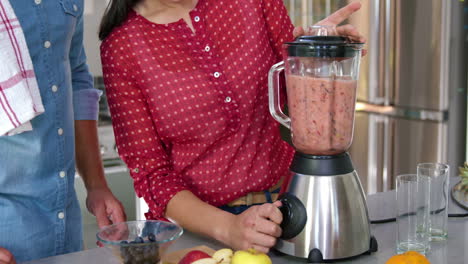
375 52
389 46
407 113
381 58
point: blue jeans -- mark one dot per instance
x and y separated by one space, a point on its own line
241 208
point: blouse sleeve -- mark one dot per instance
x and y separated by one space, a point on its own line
137 140
279 25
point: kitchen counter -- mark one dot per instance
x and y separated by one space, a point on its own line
381 206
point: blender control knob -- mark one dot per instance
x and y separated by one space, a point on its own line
294 215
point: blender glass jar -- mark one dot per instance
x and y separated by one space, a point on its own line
321 80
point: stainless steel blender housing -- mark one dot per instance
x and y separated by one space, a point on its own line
324 211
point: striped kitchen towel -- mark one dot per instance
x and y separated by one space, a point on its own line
20 100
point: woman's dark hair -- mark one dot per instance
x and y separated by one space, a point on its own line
116 13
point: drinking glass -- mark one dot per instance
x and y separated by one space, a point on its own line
413 203
439 175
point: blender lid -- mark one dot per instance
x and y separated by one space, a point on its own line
323 46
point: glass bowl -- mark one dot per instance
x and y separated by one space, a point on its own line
139 242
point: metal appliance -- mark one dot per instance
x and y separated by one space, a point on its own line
324 209
411 99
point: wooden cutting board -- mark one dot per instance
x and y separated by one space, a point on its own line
176 256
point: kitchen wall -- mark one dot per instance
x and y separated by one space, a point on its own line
307 12
92 18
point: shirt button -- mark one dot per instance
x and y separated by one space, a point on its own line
216 74
62 174
207 48
60 131
136 170
54 88
75 8
197 18
38 2
47 44
227 99
61 215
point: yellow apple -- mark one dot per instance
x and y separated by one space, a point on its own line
250 256
223 256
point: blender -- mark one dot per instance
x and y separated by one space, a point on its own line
324 210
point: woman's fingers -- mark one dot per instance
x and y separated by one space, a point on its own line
277 203
347 30
268 228
298 31
341 15
351 32
257 227
260 248
270 211
259 239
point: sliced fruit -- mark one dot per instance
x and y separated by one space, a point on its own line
193 256
223 256
409 257
206 261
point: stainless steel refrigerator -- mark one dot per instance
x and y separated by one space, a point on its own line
412 93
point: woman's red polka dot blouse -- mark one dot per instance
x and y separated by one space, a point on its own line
190 110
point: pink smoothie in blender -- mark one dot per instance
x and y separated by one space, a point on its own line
322 113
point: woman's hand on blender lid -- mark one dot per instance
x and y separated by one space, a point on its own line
335 19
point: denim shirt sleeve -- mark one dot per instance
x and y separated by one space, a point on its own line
85 96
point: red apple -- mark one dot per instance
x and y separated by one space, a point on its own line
193 256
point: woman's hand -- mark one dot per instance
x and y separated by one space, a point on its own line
6 257
335 19
257 227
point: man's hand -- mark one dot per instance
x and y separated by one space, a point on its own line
103 204
100 201
335 19
6 257
257 227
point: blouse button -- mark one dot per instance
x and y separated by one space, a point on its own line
75 8
227 99
197 18
136 170
47 44
216 74
38 2
207 48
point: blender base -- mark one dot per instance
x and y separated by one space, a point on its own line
315 255
325 206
